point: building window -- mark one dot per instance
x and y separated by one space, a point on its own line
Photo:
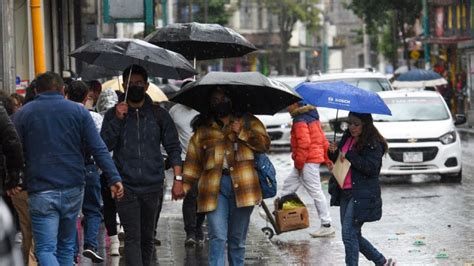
246 14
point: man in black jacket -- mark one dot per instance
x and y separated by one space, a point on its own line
11 152
134 130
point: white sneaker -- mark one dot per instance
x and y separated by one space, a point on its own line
263 214
114 245
324 232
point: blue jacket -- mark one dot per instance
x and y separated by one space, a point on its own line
365 166
135 142
55 133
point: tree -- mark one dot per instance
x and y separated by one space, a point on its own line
288 13
389 17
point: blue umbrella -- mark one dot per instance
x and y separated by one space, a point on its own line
343 96
419 78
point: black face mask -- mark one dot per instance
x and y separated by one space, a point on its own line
221 109
136 94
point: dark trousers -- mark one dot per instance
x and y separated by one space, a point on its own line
137 213
109 208
192 220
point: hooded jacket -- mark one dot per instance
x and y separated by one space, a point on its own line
11 153
308 142
135 142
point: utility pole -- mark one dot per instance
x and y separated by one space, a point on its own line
7 56
426 34
190 11
366 45
164 12
325 44
206 10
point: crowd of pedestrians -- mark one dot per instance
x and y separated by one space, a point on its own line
74 150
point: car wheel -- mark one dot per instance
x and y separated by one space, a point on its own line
456 178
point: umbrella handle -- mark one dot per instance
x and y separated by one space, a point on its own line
337 113
128 83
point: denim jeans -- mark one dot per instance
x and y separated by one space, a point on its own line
352 235
227 224
192 219
53 219
137 213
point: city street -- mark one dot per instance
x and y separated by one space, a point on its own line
425 222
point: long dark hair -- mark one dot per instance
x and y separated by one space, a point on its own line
369 132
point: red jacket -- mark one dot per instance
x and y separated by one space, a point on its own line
308 142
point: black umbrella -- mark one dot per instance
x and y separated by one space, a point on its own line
201 41
117 54
91 72
250 92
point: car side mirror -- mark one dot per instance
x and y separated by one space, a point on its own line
460 119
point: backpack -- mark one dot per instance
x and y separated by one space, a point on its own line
265 170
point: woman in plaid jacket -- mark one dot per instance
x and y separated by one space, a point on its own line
220 158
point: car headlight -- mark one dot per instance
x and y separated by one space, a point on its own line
326 126
287 125
448 138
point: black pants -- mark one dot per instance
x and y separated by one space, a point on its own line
192 220
109 209
137 213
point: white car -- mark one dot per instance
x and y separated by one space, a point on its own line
421 135
279 125
365 79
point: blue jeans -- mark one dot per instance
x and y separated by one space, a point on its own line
53 219
227 224
352 235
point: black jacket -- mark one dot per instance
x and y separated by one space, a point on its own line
135 142
365 166
11 153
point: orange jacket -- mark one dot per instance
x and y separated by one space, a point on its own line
308 142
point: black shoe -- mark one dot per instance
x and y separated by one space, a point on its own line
190 241
91 253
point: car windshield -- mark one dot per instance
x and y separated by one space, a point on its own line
372 84
414 109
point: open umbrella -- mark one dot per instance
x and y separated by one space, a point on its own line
342 96
91 72
117 54
201 41
155 93
249 91
419 78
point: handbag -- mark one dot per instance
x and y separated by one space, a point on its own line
266 175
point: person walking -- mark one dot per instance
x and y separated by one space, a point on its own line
92 202
309 150
220 158
134 130
54 134
360 196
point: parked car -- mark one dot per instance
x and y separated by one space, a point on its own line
366 79
279 125
421 135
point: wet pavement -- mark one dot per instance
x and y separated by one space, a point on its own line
424 222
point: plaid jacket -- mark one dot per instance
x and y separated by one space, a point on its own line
205 156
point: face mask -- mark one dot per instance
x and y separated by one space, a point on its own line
136 93
221 109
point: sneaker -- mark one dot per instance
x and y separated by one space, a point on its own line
91 253
390 262
324 232
114 246
263 214
190 241
121 234
18 238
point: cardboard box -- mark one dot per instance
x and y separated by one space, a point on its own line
294 219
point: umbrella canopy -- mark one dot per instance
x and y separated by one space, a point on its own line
201 41
153 91
249 91
343 96
419 78
118 54
92 72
